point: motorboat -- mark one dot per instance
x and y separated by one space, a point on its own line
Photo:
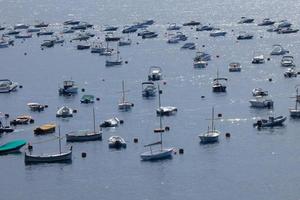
41 25
57 39
33 30
261 102
22 120
7 86
12 32
64 112
97 47
200 64
212 135
155 73
271 122
258 59
44 32
116 142
87 98
295 112
244 36
259 92
67 30
23 36
144 32
69 88
217 33
235 67
218 86
50 158
278 50
266 22
71 22
124 105
179 36
81 37
206 28
12 146
84 136
202 56
166 110
80 26
21 26
111 63
125 42
287 61
36 107
273 28
150 35
159 153
147 22
287 30
173 27
192 23
48 43
284 24
129 29
110 28
291 72
113 122
83 46
148 89
4 44
246 20
189 45
111 38
5 129
45 129
106 52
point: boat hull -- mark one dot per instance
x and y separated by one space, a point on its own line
83 137
63 157
157 154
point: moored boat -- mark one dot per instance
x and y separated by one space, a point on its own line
12 146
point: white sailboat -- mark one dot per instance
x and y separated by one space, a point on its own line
48 158
87 135
118 61
159 153
295 112
124 105
212 135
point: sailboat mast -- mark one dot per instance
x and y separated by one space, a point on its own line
159 103
94 121
59 142
123 92
296 99
212 119
160 119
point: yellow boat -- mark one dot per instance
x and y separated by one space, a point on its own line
44 129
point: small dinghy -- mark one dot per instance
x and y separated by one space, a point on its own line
12 146
87 99
64 112
259 92
113 122
116 142
22 120
271 122
36 107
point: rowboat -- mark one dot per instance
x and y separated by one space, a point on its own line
12 146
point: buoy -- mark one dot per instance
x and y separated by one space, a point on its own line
20 86
82 90
6 115
83 154
261 36
42 49
268 59
220 115
181 151
74 111
202 97
31 121
227 135
46 106
217 56
135 140
203 45
137 43
191 28
121 121
97 99
232 30
132 105
165 82
103 79
196 38
62 45
25 53
270 79
167 128
126 62
29 146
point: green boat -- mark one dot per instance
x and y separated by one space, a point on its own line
87 99
12 146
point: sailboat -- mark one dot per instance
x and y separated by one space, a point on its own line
160 153
212 135
118 61
85 136
124 105
48 158
164 110
295 112
217 85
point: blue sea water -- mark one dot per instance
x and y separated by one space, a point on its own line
251 164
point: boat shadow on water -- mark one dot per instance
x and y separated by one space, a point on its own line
65 162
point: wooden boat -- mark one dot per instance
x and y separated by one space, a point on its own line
45 129
12 146
85 136
50 158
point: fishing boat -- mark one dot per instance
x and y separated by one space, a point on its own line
217 84
113 122
235 67
69 88
261 102
212 135
164 110
155 73
7 86
116 142
50 158
45 129
84 136
87 99
12 146
271 122
158 153
291 72
295 112
36 107
287 61
148 89
22 120
64 112
124 105
259 92
277 49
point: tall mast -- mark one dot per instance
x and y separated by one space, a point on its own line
160 119
123 92
94 120
59 139
296 98
212 119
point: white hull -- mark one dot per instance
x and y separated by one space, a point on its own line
294 113
157 154
210 137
